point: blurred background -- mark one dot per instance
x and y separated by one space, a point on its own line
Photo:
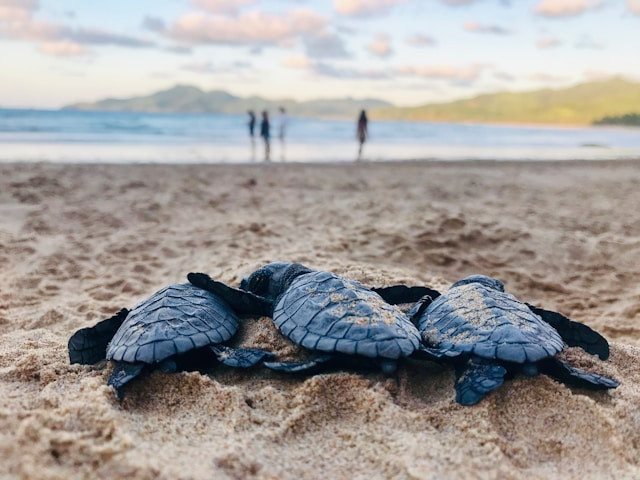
172 81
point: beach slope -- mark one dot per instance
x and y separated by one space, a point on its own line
78 242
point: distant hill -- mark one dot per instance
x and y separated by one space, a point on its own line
584 104
579 105
189 99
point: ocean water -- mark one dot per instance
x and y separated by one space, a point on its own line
123 137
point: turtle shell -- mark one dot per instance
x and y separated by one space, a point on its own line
325 312
477 320
174 320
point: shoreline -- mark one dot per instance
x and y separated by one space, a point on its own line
144 154
80 241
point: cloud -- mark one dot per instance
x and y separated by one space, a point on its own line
364 8
565 8
587 42
325 45
249 28
154 24
201 67
598 75
64 49
26 4
17 10
297 61
547 77
443 72
457 2
222 6
13 14
33 30
484 28
101 37
504 76
420 40
327 70
634 6
58 39
549 42
162 75
179 49
380 46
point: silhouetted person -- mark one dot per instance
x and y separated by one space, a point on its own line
252 123
282 129
362 132
265 134
252 128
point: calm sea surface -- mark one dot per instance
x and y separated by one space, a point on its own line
68 136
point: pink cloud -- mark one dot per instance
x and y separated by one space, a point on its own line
17 10
32 30
380 46
17 22
550 42
634 6
565 8
484 28
364 8
598 75
251 27
63 49
222 6
26 4
443 72
13 14
420 40
297 61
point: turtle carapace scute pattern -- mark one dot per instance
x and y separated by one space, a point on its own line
337 318
179 327
489 334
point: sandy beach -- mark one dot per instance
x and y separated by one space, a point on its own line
79 242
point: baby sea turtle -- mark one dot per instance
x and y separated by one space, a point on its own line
181 327
490 334
337 318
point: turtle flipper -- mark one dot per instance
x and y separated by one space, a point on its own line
89 345
418 309
315 363
476 379
241 357
565 373
431 353
122 374
398 294
241 301
575 334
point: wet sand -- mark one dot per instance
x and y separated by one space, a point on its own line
77 243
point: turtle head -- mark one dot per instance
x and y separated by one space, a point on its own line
271 280
488 282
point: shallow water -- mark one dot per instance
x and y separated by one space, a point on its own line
123 137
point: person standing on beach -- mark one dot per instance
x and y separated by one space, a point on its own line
252 128
265 134
362 133
252 123
282 128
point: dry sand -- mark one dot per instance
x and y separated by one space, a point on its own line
79 242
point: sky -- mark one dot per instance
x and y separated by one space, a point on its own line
409 52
